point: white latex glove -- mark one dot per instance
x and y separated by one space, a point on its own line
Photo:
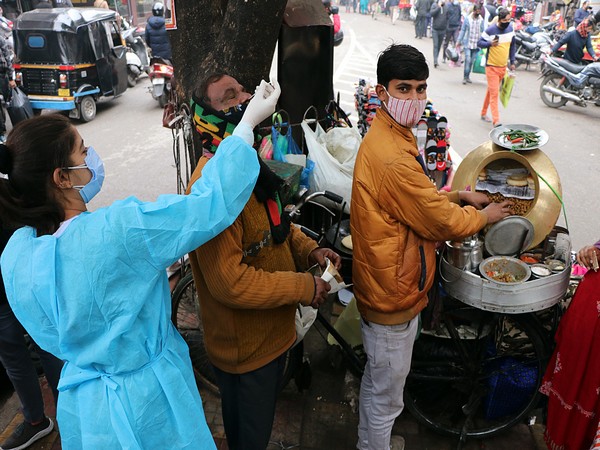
262 104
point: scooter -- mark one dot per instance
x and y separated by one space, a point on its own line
564 81
161 72
138 59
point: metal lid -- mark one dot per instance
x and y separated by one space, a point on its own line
509 237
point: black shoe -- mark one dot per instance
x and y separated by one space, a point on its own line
435 64
26 434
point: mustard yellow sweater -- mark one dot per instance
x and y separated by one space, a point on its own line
249 289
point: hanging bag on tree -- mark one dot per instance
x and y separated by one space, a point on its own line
480 59
18 107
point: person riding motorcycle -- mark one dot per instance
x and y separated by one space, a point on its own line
156 33
577 40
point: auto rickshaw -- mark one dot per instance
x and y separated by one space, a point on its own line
68 58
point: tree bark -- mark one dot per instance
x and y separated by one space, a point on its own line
233 36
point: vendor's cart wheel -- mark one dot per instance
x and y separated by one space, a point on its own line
87 109
185 315
480 382
550 99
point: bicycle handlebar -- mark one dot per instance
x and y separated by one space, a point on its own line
295 209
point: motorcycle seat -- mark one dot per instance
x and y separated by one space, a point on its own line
526 37
574 68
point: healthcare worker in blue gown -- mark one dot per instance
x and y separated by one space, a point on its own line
91 287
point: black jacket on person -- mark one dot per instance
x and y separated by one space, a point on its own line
454 16
157 39
439 16
423 7
575 45
580 14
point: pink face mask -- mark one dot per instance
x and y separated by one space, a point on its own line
406 112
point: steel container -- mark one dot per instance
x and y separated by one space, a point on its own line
532 295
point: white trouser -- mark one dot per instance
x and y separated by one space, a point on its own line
389 351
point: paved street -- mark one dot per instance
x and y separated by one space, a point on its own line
137 152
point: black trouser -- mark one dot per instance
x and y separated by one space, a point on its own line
248 404
5 91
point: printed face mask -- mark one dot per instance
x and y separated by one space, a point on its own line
95 165
406 112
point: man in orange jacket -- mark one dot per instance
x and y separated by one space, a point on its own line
396 216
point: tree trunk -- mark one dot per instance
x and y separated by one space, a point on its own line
234 36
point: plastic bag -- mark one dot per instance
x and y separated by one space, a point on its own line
283 144
479 64
507 86
305 317
334 154
19 108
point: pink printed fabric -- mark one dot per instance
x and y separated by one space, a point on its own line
406 112
572 379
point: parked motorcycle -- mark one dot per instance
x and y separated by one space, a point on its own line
138 55
161 72
530 48
564 81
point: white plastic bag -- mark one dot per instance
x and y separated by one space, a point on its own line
305 317
334 154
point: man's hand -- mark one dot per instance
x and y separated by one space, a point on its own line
498 211
512 67
12 84
318 255
321 291
476 199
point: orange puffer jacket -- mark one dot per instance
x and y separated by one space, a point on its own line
396 217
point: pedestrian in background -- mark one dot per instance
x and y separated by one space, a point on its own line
397 215
393 6
499 39
578 39
439 27
16 359
454 23
470 33
7 80
422 7
582 13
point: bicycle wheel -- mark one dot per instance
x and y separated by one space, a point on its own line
185 315
479 380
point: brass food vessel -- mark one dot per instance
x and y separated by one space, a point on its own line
545 209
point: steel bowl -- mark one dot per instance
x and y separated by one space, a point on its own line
505 265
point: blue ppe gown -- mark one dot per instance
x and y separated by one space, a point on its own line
97 296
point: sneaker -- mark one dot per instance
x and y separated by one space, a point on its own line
468 80
464 81
498 124
486 118
397 443
26 434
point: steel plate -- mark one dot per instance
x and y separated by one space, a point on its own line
499 139
509 237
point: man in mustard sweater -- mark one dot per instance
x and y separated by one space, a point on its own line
249 284
396 217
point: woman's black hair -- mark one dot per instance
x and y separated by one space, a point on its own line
28 195
401 62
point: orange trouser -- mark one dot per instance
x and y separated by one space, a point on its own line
494 77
